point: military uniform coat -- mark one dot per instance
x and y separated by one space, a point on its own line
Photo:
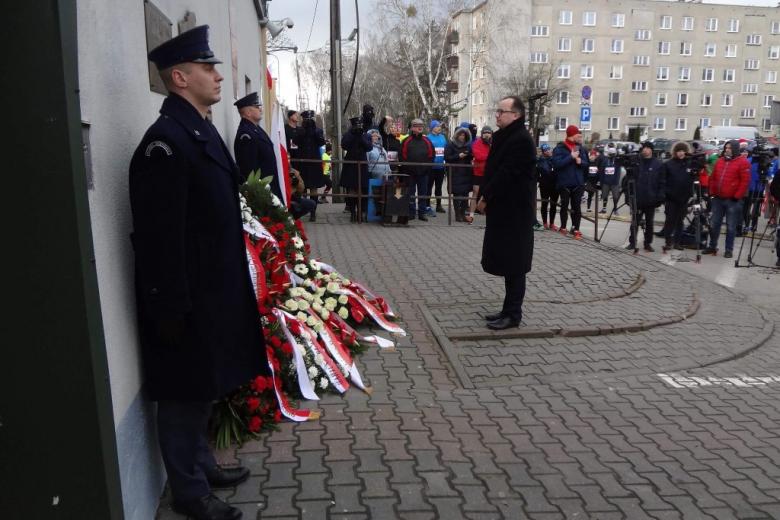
509 190
190 260
255 151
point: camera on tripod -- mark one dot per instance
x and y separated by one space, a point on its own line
764 155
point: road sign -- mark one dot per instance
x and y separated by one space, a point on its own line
585 114
586 92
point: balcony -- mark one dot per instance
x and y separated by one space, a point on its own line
453 38
452 62
452 86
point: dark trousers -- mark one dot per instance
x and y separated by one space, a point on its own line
182 433
573 197
513 300
648 213
549 199
751 209
673 227
300 206
418 184
435 179
461 205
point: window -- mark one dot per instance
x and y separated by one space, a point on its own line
726 121
685 74
588 45
482 72
616 47
774 52
562 98
666 22
747 113
637 111
710 50
753 39
682 99
614 98
686 48
660 99
708 74
664 48
662 74
750 88
589 18
681 123
711 25
564 71
564 18
613 123
728 75
751 64
766 125
659 123
768 101
704 122
726 100
482 97
564 44
771 76
561 123
540 84
642 61
731 50
687 23
616 72
618 20
539 57
774 27
540 31
733 25
474 99
639 86
706 99
642 34
586 72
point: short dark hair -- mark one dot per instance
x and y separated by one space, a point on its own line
291 113
517 104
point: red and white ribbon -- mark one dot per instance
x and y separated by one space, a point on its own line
305 383
328 366
292 413
339 353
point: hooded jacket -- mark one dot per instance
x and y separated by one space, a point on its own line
378 167
439 142
731 176
569 173
480 150
679 180
461 176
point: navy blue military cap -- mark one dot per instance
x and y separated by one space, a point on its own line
250 100
189 46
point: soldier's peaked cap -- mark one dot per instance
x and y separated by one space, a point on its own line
189 47
250 100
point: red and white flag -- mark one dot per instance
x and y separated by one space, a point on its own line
279 140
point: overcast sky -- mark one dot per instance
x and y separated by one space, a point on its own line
303 12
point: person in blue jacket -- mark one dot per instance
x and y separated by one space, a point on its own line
751 208
570 160
436 179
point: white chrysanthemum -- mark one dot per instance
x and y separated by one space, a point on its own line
325 313
309 297
316 306
319 276
311 321
343 299
319 360
303 305
321 291
313 372
314 265
301 269
333 287
324 383
297 242
298 257
317 327
300 349
291 305
301 317
330 303
344 313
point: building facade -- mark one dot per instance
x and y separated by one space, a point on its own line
660 68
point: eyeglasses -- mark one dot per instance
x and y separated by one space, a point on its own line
501 111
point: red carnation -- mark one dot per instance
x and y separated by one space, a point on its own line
275 341
271 318
287 348
252 404
255 423
259 384
277 416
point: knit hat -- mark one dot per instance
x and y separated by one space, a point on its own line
572 130
544 147
682 145
464 124
434 124
417 122
486 129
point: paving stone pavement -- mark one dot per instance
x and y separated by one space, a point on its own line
554 427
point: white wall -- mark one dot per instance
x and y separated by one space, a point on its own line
116 100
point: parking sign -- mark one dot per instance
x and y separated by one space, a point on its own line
585 114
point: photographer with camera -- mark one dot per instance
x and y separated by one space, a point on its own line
309 139
728 186
679 172
570 160
592 186
650 192
354 177
609 177
760 159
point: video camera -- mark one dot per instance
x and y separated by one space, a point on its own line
307 119
764 155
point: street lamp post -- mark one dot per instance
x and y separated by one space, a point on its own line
335 83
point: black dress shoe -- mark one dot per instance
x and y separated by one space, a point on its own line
221 478
422 217
503 323
494 317
206 508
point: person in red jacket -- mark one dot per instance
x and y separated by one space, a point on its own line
479 150
728 186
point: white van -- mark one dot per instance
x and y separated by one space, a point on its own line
718 135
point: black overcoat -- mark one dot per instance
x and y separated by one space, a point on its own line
356 147
309 140
509 190
190 260
255 151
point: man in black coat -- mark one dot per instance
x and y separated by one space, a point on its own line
679 174
253 148
507 199
198 322
650 191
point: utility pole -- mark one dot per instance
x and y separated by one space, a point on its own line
335 83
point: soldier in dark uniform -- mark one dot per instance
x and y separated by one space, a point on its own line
198 322
254 149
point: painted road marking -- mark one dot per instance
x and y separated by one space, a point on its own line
680 381
727 276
